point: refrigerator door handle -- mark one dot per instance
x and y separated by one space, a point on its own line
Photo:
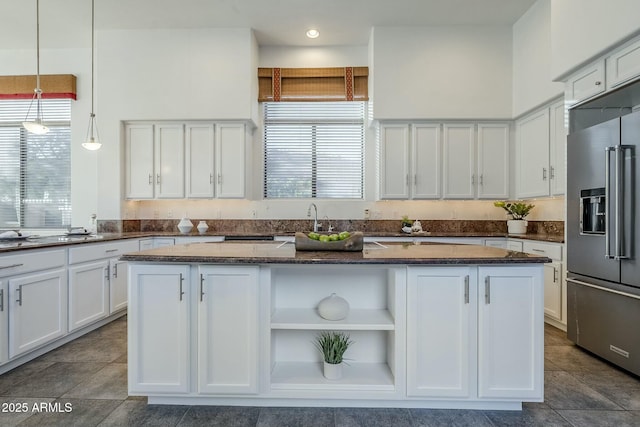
607 211
620 192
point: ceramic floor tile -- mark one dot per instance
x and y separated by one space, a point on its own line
55 380
20 374
449 418
136 413
573 358
527 418
72 413
221 416
602 418
108 383
17 409
372 417
563 391
89 349
296 417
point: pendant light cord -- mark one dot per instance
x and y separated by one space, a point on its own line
93 23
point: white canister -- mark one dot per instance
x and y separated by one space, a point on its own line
202 227
333 307
185 225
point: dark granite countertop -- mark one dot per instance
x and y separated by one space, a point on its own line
285 253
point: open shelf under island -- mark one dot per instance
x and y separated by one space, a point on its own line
432 325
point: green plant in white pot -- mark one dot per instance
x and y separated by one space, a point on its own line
518 211
332 346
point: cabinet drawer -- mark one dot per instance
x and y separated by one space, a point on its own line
587 83
90 252
546 249
12 265
624 65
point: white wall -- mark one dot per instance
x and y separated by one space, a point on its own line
584 29
442 72
532 83
167 75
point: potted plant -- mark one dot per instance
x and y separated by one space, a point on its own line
518 211
333 345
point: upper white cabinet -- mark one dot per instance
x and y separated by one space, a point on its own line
193 160
459 161
540 152
452 161
586 83
623 65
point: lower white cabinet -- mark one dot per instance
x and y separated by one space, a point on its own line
88 293
441 312
553 290
117 285
4 322
510 333
159 334
37 309
227 329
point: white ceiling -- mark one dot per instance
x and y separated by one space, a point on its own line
67 23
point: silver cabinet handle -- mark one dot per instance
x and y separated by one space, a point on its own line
407 180
115 271
620 252
210 178
150 179
11 266
552 172
466 289
181 282
1 299
106 273
473 179
607 212
544 174
19 291
481 179
555 275
110 250
158 178
487 290
415 179
542 251
598 83
201 286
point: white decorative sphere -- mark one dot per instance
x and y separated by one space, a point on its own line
333 307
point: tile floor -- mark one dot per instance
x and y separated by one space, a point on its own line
89 376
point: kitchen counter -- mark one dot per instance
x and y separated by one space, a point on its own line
373 253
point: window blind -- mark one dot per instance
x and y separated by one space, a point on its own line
35 170
313 149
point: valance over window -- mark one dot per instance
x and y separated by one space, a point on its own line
52 85
313 84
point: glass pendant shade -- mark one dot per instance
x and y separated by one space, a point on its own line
92 142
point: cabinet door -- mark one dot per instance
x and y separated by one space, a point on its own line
440 331
169 161
88 293
553 290
587 83
557 148
158 329
532 155
117 285
4 321
623 65
426 161
459 161
510 332
230 160
38 310
139 161
228 330
493 161
394 162
200 147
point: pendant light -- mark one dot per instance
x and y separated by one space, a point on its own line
36 126
92 142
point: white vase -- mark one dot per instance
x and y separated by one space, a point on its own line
202 227
332 371
333 307
517 226
185 225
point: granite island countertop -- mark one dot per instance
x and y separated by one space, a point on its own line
373 253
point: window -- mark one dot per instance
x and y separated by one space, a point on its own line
313 149
35 170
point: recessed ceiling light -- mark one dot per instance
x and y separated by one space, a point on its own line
313 33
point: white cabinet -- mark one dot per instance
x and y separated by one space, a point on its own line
459 172
558 129
493 161
4 321
88 293
586 83
200 160
623 65
554 278
441 313
117 285
156 242
230 160
158 329
410 161
154 161
532 159
510 333
227 329
37 309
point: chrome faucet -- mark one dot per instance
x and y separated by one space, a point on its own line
315 218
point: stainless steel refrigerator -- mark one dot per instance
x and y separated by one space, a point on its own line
603 234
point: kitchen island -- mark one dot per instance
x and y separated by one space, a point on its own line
433 325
